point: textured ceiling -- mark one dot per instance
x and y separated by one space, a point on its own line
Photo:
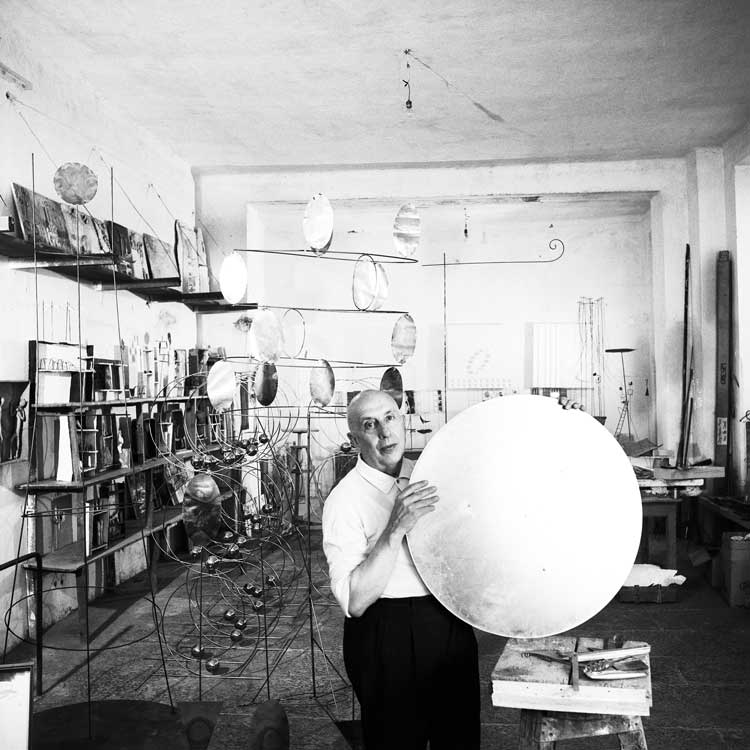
305 82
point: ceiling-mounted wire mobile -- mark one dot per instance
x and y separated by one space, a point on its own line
557 246
345 255
407 230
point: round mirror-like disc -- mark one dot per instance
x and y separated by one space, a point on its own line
369 284
322 383
75 183
266 383
393 384
407 230
221 385
539 517
293 331
317 223
266 336
404 338
233 278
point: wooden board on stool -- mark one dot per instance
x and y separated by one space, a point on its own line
529 682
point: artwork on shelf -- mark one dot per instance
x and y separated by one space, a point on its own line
14 403
84 235
203 270
120 240
137 255
187 253
177 474
102 233
162 261
41 217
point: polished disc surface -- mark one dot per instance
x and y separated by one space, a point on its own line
75 183
317 223
322 383
539 517
266 383
392 383
407 230
266 337
221 385
369 284
404 338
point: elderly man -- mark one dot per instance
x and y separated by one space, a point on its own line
413 664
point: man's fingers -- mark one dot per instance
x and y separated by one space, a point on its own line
426 492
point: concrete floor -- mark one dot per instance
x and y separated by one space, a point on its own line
700 668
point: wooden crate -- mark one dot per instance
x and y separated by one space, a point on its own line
648 594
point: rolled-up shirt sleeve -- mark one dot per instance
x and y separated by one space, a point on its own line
345 545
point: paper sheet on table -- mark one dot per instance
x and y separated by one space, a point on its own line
652 575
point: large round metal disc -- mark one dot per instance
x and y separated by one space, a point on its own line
220 385
266 336
75 183
539 517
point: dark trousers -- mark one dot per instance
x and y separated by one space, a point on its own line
413 666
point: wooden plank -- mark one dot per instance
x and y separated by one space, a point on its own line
667 483
520 681
691 472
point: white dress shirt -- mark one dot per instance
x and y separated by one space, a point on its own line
354 516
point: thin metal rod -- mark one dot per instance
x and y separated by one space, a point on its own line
553 245
308 464
330 255
445 340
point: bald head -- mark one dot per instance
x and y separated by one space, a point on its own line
376 428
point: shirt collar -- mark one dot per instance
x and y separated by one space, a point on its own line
381 481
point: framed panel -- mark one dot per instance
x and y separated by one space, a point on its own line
16 692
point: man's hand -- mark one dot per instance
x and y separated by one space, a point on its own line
568 403
411 504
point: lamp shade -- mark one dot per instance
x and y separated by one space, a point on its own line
233 278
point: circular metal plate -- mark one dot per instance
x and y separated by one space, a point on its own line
266 383
407 230
539 517
317 223
75 183
322 383
369 284
266 336
393 384
404 338
220 385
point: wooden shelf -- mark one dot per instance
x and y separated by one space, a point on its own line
70 558
201 302
53 485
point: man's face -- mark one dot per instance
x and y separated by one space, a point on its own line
377 429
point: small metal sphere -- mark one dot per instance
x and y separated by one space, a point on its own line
257 604
240 623
213 665
230 614
271 581
252 589
242 541
198 652
252 449
228 536
233 550
236 635
196 552
212 562
263 438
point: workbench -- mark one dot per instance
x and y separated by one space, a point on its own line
552 709
663 506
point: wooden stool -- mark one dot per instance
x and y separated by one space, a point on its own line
560 703
541 730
